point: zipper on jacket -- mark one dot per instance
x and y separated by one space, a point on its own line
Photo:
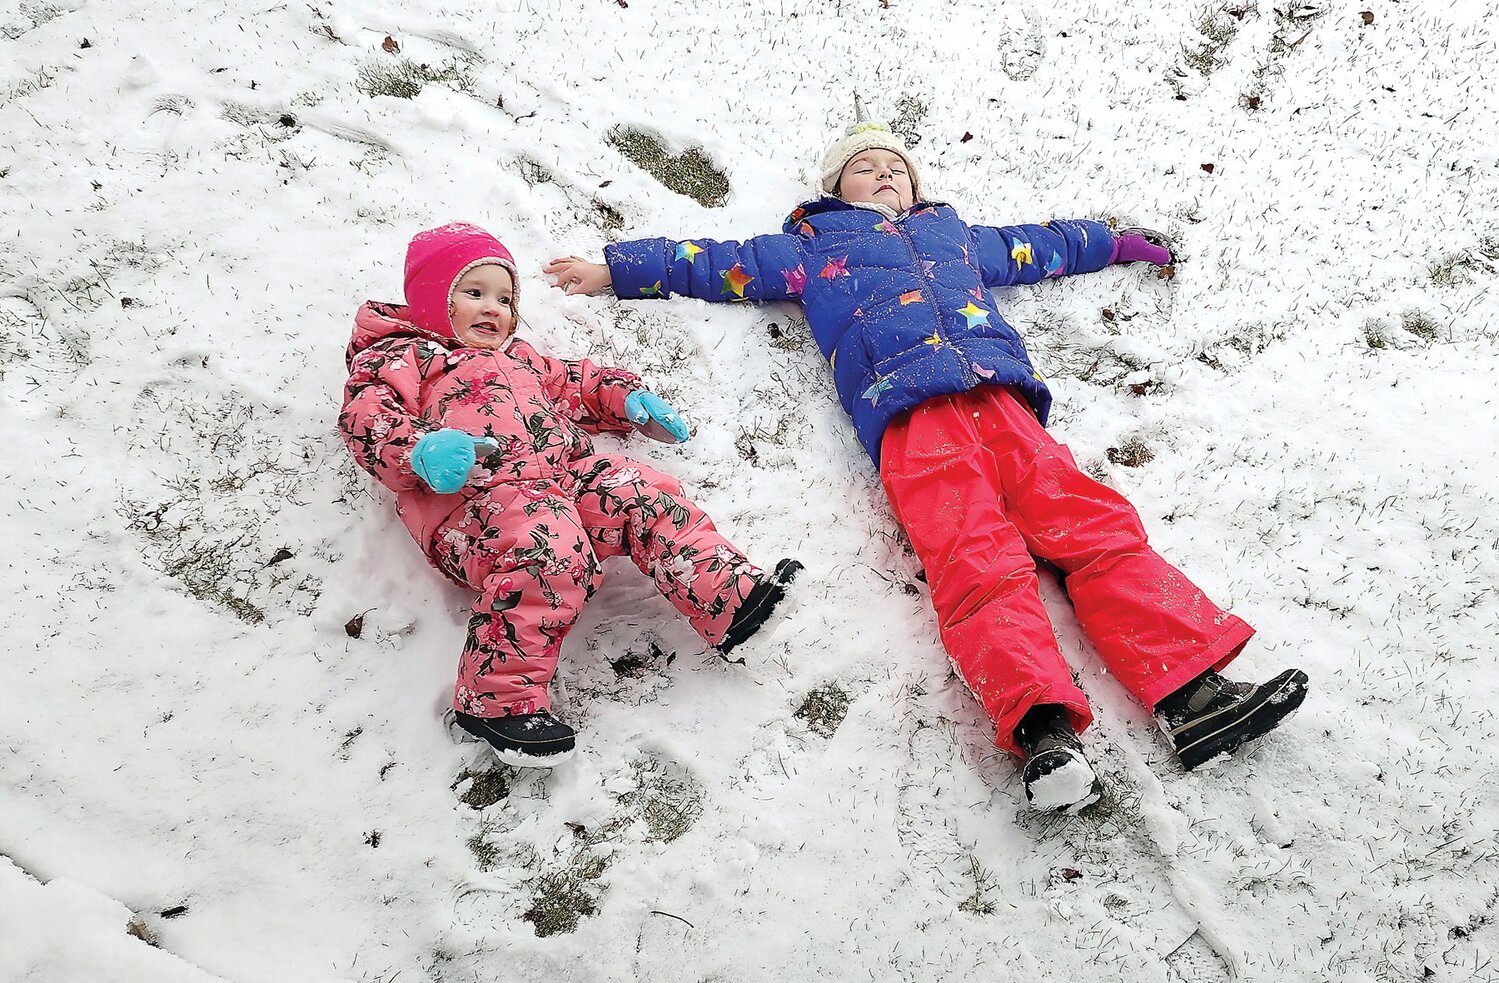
970 378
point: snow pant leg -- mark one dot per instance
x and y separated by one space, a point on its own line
944 486
630 508
524 549
1154 628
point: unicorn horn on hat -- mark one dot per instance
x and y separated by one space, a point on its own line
861 119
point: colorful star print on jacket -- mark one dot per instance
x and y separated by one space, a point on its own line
897 306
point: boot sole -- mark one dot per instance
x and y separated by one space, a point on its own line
785 572
1094 793
516 755
1230 728
520 759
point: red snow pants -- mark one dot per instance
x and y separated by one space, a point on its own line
532 551
982 488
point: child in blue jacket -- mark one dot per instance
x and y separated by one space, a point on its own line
945 400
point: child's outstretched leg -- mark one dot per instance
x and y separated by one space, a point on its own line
630 508
945 489
1159 633
524 549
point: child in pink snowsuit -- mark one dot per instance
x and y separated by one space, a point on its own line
485 443
945 400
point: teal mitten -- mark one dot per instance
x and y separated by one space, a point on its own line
654 417
444 458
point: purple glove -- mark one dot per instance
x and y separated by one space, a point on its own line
1141 245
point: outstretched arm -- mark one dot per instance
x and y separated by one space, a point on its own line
763 268
592 396
1011 254
599 398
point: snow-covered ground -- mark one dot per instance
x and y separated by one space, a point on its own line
195 197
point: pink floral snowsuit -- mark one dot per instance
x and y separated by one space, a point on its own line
529 529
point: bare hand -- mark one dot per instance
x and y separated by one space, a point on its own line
575 275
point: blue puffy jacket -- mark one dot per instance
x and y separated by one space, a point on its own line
900 308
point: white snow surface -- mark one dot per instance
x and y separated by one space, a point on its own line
196 197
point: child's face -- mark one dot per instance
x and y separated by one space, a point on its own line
483 307
879 176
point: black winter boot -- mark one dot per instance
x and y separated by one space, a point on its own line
762 599
524 740
1058 776
1215 715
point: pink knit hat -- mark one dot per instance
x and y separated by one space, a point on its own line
437 259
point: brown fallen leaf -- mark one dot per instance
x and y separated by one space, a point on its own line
1108 315
1253 102
966 137
140 930
354 627
1208 168
1368 16
1167 272
391 45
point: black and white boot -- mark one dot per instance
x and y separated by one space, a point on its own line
523 740
758 605
1215 715
1058 776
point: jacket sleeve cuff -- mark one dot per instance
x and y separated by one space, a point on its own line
636 268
